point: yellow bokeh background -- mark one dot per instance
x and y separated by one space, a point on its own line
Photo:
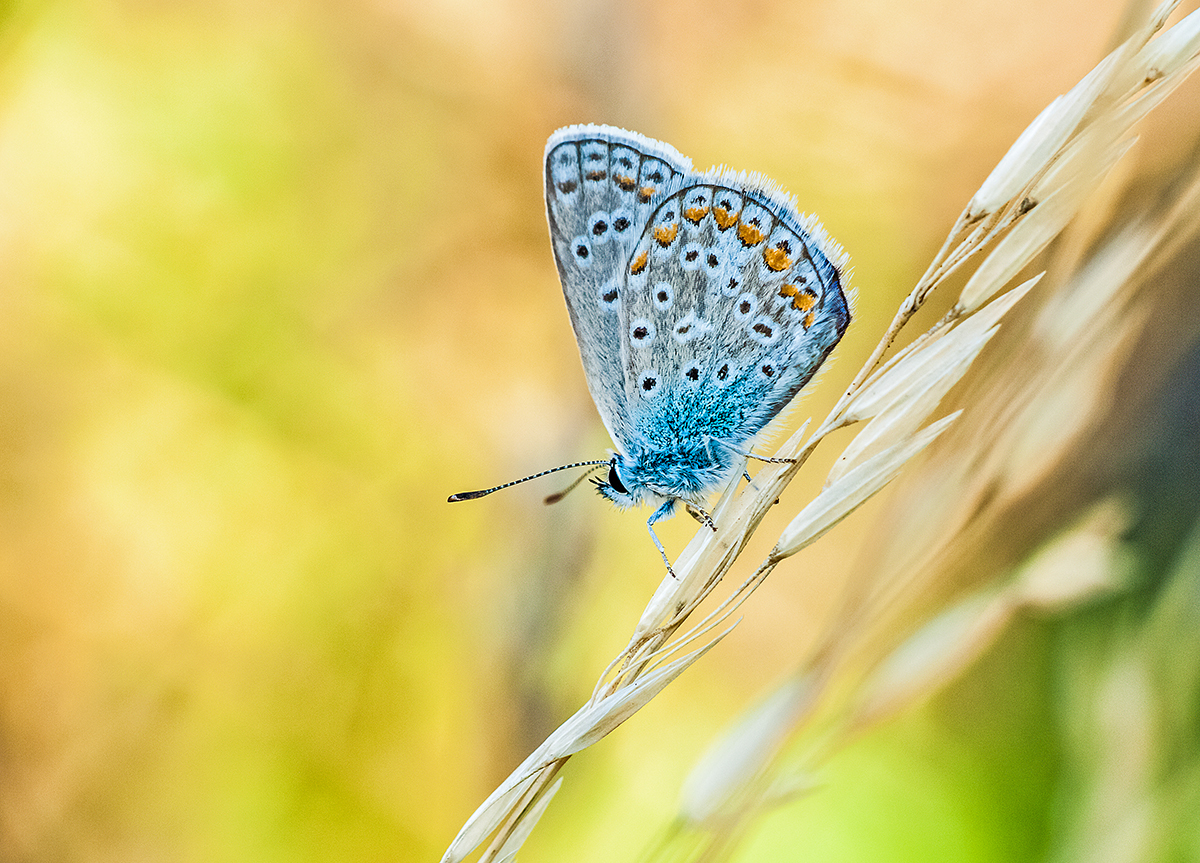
275 280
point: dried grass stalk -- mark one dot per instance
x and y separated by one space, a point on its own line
1025 202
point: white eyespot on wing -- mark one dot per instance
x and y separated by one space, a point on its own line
768 370
691 258
712 258
654 175
610 295
642 333
663 296
764 330
593 162
581 251
564 171
697 204
692 375
649 384
624 166
729 274
745 305
725 371
689 328
665 229
600 227
732 284
754 224
622 222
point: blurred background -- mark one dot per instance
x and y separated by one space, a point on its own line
275 280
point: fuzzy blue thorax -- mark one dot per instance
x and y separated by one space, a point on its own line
689 471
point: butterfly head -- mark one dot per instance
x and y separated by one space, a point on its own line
619 486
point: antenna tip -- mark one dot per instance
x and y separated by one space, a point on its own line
465 495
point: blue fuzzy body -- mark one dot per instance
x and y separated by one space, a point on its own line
686 469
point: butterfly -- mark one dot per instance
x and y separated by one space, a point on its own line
702 302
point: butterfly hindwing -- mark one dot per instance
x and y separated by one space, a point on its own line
602 183
731 302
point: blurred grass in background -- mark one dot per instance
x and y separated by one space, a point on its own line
274 280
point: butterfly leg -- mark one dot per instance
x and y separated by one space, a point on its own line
665 511
701 516
708 442
764 459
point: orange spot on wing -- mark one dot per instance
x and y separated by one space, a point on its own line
787 291
665 234
624 182
597 175
724 218
777 259
808 319
804 300
750 235
646 193
639 263
695 214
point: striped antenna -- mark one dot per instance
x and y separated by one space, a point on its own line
557 496
472 495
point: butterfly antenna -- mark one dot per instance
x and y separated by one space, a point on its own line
555 498
472 495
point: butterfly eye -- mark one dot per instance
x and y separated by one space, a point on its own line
614 479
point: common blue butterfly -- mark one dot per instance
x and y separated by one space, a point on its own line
701 301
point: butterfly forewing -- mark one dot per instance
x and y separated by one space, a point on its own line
602 184
730 303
